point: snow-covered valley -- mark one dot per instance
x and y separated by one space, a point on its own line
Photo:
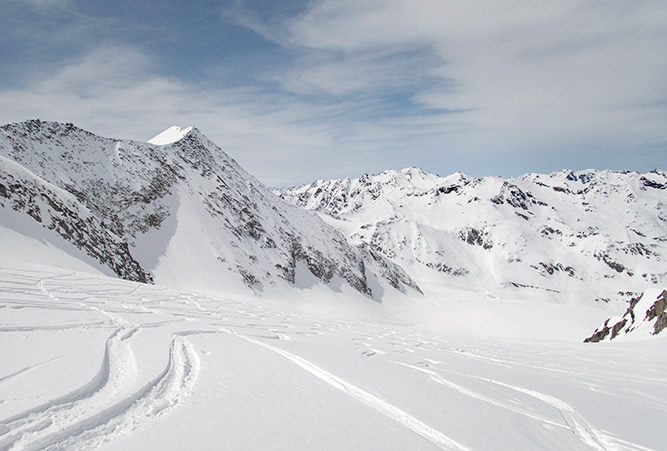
91 361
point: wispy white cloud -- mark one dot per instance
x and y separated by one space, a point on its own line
47 5
527 74
114 91
479 86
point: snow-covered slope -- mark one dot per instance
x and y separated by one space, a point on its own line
91 362
567 236
170 135
180 212
95 362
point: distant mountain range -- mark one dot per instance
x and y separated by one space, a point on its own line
571 237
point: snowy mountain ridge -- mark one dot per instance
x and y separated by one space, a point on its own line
182 213
567 236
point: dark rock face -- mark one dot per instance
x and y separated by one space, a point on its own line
651 184
656 315
658 312
599 334
553 268
476 237
47 205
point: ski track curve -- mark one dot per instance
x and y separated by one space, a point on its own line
55 414
405 419
586 433
105 406
476 395
579 426
101 409
154 399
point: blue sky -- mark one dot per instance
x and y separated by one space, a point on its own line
302 90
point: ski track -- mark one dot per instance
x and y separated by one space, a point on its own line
380 405
28 368
585 432
54 414
105 406
476 395
157 397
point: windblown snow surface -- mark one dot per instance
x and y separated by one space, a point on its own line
90 361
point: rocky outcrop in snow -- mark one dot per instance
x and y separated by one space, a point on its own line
568 236
646 315
58 211
181 212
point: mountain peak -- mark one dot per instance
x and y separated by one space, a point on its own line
185 215
37 127
412 171
170 135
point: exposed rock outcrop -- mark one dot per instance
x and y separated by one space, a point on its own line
650 307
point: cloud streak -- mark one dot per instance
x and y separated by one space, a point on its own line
526 73
343 87
114 91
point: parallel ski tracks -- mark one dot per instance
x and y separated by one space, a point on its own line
113 401
104 407
380 405
121 397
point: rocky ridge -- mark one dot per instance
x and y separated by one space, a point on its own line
569 236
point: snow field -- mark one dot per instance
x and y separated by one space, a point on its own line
90 361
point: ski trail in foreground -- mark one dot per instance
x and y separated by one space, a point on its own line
72 427
574 420
117 369
380 405
156 398
104 407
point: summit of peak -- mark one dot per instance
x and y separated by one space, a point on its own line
170 135
412 170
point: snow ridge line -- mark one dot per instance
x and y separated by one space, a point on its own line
380 405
